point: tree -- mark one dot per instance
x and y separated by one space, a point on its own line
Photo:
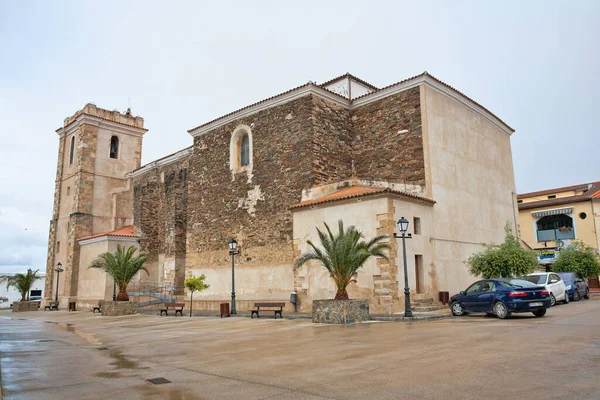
122 267
21 282
577 257
343 254
508 259
194 284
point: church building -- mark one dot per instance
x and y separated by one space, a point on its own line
270 173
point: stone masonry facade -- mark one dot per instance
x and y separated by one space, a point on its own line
191 208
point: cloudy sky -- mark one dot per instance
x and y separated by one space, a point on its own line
179 64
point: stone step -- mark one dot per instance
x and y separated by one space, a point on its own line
429 308
423 301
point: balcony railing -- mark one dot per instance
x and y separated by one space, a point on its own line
552 234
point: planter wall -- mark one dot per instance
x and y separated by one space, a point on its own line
340 311
19 306
116 308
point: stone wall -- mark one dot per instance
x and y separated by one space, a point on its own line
160 199
332 142
19 306
117 308
252 205
381 150
340 311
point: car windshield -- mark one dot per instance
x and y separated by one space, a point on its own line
519 283
537 279
566 276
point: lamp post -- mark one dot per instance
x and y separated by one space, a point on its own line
58 269
403 227
114 290
233 252
29 291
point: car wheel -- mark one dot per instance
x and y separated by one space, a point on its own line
587 294
539 313
552 300
566 300
501 310
457 309
576 295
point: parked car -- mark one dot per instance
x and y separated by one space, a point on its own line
552 282
501 297
576 285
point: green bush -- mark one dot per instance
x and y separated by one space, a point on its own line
578 257
505 260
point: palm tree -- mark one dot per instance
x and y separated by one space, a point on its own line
122 266
343 254
21 282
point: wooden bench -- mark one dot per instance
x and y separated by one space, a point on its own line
178 307
98 307
53 305
277 308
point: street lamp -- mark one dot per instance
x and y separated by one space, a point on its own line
233 252
403 227
114 290
28 274
58 269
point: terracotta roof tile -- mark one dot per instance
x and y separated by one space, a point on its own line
126 231
592 192
357 191
551 191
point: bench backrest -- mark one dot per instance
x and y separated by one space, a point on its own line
269 304
174 305
54 303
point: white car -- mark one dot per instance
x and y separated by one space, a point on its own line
553 283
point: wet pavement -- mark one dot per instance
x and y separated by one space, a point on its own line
80 355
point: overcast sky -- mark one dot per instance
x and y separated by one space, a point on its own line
534 64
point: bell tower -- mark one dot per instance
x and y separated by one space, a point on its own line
97 148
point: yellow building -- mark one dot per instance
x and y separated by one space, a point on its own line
551 219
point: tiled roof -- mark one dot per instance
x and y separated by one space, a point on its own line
350 102
354 191
162 158
592 193
349 75
551 191
126 231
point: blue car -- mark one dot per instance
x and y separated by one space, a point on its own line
576 286
501 297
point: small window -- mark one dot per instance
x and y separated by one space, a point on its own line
68 190
552 196
519 201
114 147
245 151
58 247
417 225
582 215
72 150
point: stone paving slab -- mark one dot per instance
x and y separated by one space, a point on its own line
81 355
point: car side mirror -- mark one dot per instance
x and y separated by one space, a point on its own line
578 280
463 292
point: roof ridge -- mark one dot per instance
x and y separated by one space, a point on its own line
559 189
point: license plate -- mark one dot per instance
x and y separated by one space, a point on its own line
536 304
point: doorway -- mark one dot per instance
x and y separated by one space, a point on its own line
419 273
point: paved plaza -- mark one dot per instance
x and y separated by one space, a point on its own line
80 355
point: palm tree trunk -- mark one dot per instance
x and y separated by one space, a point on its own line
342 294
122 296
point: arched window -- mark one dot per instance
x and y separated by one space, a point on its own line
245 151
72 150
555 222
114 147
240 149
